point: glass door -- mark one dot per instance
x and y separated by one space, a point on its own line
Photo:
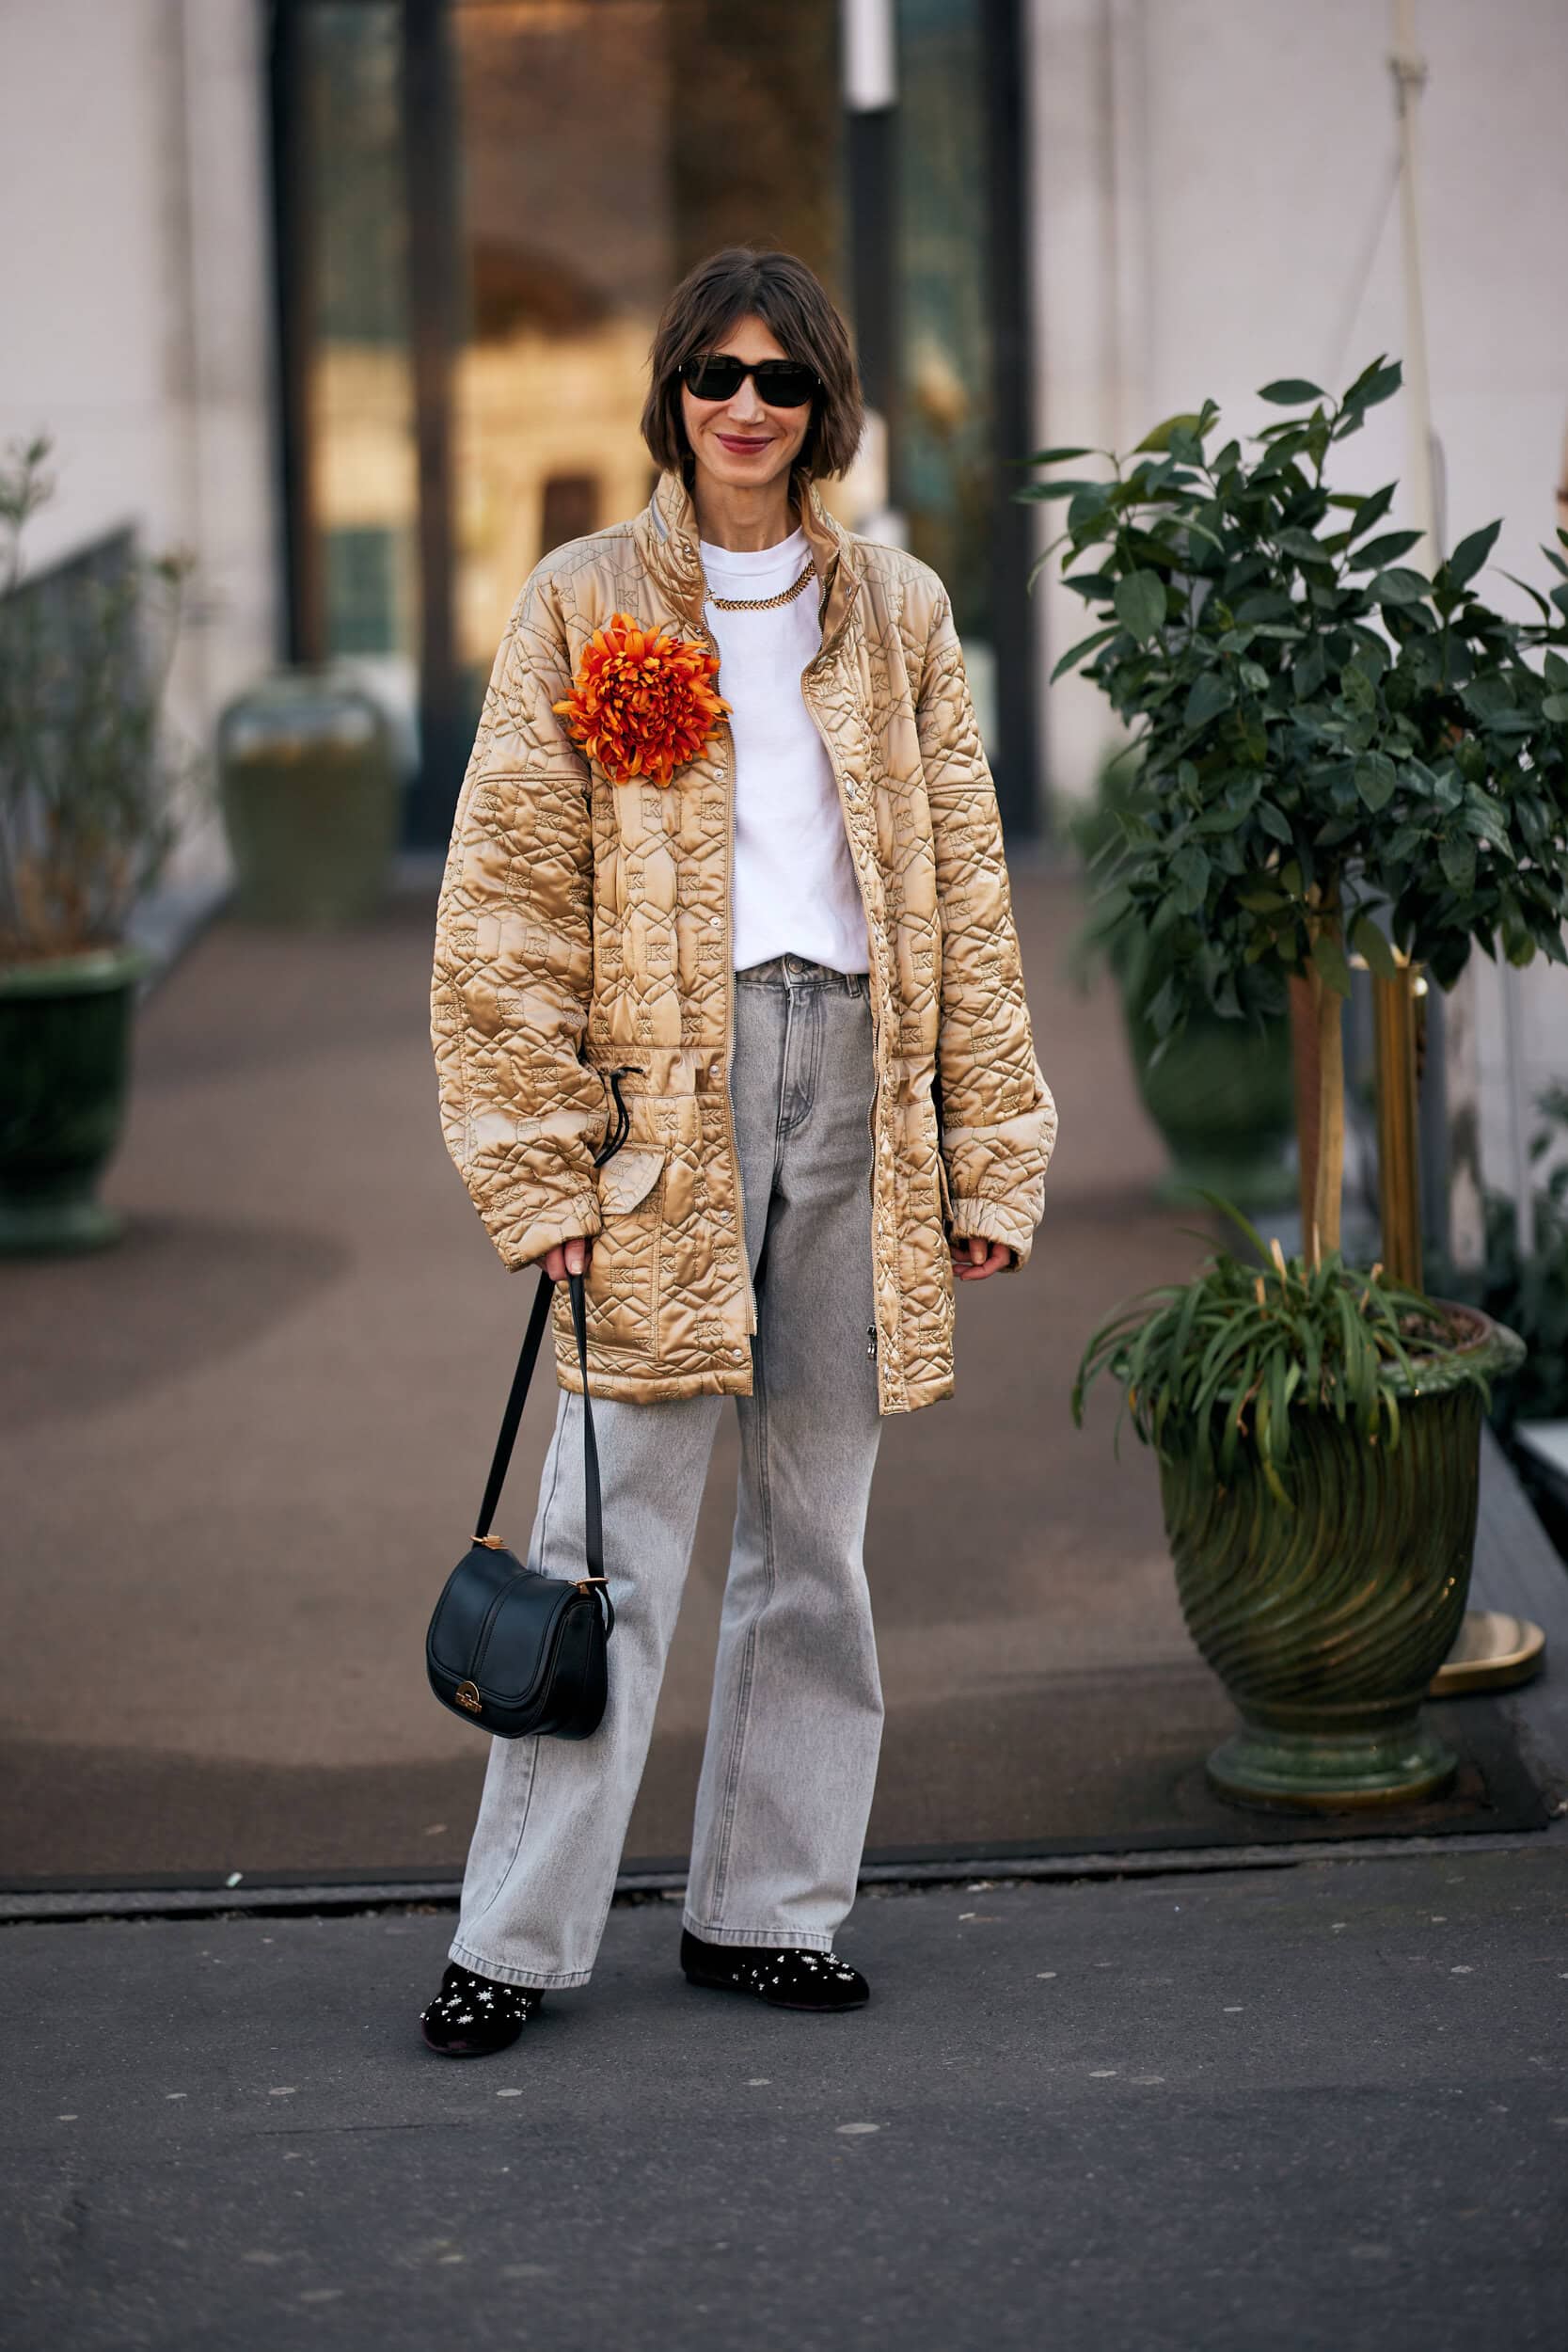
961 354
354 563
483 205
568 247
606 146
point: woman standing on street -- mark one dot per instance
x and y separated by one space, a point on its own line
783 918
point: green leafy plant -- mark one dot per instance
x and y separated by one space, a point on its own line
1112 931
1234 1357
1338 753
88 795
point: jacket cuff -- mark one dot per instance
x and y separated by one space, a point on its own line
971 1218
522 1239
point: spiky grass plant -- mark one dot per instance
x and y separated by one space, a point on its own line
1236 1357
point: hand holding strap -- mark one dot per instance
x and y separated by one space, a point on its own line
532 1338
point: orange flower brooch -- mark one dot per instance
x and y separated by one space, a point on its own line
641 703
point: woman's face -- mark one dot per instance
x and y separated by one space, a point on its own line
741 442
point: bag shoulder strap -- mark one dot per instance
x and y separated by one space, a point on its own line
511 1418
528 1356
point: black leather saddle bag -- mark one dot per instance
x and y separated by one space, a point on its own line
510 1650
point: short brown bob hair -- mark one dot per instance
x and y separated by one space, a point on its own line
794 305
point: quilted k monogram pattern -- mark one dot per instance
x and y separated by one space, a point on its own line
583 926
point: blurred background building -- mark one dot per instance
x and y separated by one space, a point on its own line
353 297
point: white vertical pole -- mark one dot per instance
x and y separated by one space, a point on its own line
869 55
1467 1217
1410 74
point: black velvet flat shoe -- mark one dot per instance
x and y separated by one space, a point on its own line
785 1979
471 2016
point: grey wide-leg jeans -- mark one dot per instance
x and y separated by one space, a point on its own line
797 1712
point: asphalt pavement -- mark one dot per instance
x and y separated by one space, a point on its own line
1314 2108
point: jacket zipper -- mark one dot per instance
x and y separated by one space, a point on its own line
874 980
745 1255
872 976
750 1296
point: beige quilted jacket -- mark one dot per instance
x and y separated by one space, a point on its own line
584 927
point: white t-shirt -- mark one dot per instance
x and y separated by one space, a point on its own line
794 890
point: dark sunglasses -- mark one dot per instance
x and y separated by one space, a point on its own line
782 383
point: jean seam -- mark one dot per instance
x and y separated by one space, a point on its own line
818 1024
811 1002
730 1803
598 1937
780 1121
500 1888
755 1939
555 1479
542 1980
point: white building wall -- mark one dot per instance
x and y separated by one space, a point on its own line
1215 207
134 291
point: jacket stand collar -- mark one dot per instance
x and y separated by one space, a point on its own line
668 530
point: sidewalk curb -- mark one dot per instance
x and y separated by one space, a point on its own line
68 1908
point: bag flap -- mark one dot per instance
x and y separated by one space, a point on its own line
495 1623
629 1177
469 1597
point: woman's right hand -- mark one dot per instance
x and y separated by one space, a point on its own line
568 1257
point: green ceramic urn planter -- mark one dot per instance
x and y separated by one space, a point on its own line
312 798
1327 1623
1220 1097
92 802
64 1053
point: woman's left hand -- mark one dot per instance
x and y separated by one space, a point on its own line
973 1259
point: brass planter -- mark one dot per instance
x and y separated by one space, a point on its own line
1327 1624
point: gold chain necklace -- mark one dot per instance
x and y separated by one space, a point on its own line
765 604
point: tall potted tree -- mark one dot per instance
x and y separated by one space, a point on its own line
1343 756
87 818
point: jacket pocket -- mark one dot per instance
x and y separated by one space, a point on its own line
627 1178
622 1286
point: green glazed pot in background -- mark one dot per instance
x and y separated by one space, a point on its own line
1221 1095
312 798
1327 1624
65 1060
